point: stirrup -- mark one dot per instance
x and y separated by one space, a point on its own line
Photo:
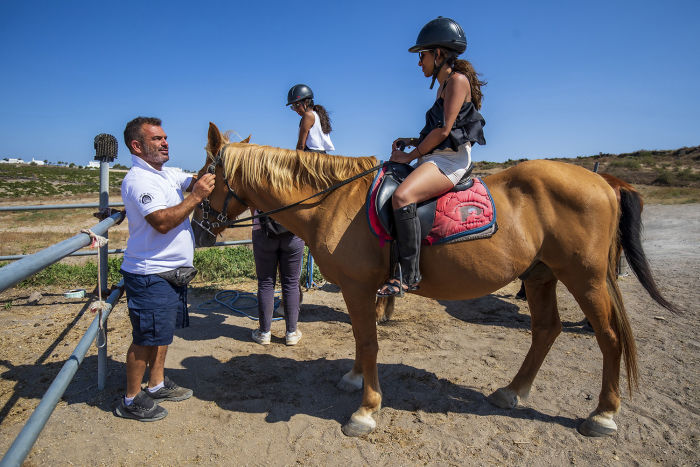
397 285
396 288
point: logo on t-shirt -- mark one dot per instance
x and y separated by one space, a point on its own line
146 198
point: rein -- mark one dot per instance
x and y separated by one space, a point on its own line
222 218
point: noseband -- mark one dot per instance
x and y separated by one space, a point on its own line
220 219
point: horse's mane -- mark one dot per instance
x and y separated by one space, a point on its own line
280 169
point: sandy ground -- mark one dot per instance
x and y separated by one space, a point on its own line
438 361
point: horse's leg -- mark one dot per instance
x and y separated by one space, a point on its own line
595 302
352 380
541 296
364 327
384 308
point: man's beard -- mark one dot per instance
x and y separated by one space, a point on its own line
152 154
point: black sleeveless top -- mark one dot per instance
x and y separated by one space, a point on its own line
469 125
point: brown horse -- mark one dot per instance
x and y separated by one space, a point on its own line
557 222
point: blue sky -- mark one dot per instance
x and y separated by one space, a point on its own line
565 78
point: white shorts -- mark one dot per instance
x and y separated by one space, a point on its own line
452 164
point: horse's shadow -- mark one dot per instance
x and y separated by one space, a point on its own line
489 309
280 388
494 311
277 387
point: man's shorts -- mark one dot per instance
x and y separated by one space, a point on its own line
156 308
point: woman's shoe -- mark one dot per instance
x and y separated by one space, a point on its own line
262 338
292 338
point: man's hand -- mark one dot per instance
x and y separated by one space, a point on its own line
203 187
166 219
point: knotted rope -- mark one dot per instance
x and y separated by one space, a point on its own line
98 306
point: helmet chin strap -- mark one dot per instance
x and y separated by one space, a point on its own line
447 59
436 69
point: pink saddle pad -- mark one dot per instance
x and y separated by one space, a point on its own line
459 215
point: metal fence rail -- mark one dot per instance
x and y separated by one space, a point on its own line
41 207
27 437
119 251
13 273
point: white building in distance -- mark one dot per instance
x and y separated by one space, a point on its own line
12 160
19 160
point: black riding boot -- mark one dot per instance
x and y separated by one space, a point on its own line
408 243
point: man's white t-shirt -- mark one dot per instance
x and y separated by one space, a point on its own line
146 190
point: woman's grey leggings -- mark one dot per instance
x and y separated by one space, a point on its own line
287 251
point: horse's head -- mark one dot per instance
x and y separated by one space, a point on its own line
223 204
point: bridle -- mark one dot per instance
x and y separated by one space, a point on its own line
221 218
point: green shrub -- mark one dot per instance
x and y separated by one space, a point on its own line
626 163
648 160
687 175
664 178
643 154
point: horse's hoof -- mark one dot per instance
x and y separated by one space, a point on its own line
601 424
350 382
504 398
359 425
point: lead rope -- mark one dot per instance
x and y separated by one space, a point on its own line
98 306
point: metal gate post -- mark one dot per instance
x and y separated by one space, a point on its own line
104 258
105 152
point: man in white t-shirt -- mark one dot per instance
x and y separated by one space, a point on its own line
157 265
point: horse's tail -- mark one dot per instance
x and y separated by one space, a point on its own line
630 230
620 321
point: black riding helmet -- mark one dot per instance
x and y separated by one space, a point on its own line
441 32
299 92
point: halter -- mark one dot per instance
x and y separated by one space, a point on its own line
222 218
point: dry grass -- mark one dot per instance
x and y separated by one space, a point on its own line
669 195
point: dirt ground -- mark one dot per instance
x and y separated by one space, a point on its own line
438 361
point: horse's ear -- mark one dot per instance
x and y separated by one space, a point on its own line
247 140
216 140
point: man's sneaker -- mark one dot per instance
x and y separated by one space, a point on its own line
292 338
143 409
262 338
170 392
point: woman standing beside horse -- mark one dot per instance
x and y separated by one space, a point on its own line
274 247
443 149
315 126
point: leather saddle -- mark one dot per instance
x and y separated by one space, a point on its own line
395 173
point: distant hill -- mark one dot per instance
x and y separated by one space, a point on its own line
662 176
676 167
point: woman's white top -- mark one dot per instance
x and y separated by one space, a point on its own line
317 140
